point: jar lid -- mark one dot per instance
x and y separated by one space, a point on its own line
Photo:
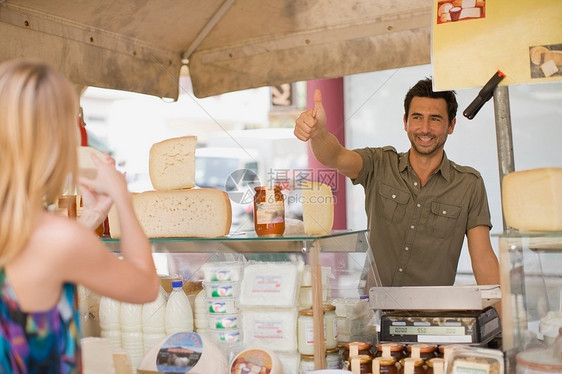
393 346
362 358
385 361
332 351
361 345
329 307
423 347
177 283
432 361
417 361
305 312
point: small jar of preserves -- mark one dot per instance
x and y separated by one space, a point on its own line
410 365
423 351
269 211
362 362
363 348
435 365
396 350
384 365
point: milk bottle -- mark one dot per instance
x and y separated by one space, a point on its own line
178 316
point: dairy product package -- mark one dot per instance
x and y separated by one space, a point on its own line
256 360
274 329
185 352
273 284
171 163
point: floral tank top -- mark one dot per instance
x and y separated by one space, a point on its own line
39 342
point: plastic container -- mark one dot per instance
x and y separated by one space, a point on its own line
472 359
222 271
224 321
221 290
223 306
179 316
225 335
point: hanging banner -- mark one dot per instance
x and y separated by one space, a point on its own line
472 39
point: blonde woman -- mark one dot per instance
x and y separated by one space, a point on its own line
43 255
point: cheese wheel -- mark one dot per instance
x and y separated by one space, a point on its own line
256 360
532 199
171 163
199 212
186 352
317 208
86 167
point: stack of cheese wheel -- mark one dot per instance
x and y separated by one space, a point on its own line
175 208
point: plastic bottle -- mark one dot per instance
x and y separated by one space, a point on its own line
153 320
109 315
179 316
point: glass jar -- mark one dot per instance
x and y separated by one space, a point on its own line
307 364
305 330
396 350
410 365
423 351
269 211
333 359
363 362
384 365
363 347
435 366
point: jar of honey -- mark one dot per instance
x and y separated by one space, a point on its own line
269 211
391 349
384 365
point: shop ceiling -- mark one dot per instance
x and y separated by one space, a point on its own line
227 45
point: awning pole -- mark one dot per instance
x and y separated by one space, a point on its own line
503 135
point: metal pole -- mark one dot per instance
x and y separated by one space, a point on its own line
503 135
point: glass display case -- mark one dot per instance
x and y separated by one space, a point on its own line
346 253
531 282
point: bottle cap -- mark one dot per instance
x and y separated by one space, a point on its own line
177 283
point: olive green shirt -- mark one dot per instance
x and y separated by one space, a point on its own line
417 233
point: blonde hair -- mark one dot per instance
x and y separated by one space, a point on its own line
38 147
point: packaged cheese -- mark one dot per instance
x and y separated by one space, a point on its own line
272 284
198 212
532 199
256 360
171 163
184 352
317 208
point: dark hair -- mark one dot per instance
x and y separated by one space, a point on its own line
424 88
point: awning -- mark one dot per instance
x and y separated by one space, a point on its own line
228 45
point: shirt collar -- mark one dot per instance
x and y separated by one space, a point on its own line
444 168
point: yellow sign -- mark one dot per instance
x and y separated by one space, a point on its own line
472 39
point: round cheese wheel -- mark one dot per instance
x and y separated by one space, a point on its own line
184 352
256 360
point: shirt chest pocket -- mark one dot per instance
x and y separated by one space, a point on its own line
391 203
444 218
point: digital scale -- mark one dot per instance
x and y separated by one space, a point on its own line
437 315
440 327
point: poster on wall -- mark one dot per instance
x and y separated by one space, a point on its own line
473 39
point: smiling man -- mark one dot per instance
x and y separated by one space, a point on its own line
419 204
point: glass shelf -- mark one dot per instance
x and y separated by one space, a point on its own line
336 241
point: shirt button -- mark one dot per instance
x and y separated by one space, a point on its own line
415 183
418 205
412 227
400 270
406 248
444 212
394 196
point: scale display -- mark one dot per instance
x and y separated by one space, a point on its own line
440 327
